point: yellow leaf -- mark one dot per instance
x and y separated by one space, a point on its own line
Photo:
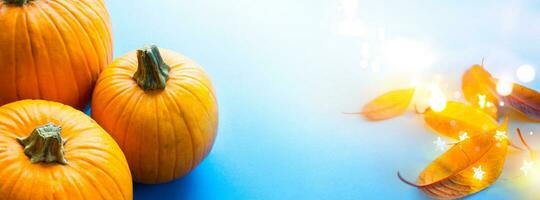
468 167
388 105
458 118
524 100
479 89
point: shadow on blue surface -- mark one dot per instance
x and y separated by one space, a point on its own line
182 189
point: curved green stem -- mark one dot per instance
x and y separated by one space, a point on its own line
44 145
17 2
152 72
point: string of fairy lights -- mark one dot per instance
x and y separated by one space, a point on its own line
437 103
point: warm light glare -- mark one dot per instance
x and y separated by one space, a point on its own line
464 136
437 101
525 73
482 100
500 135
526 167
441 144
504 87
478 172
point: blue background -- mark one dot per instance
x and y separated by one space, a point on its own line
285 71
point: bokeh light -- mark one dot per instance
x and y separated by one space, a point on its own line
437 101
504 87
525 73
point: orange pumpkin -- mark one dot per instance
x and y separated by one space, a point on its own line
161 109
52 49
52 151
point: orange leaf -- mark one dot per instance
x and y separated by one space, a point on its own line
479 89
525 100
468 167
458 118
388 105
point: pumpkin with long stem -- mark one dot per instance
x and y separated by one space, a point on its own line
52 49
161 109
51 151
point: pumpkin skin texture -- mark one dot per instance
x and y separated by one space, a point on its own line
94 168
53 49
165 129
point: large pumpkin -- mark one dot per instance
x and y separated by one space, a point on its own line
51 151
52 49
161 109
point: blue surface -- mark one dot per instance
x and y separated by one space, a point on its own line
284 71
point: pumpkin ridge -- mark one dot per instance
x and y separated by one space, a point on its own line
67 51
79 25
164 105
54 91
191 133
19 177
13 47
198 99
32 58
104 172
107 27
208 88
136 109
69 177
89 38
208 118
178 109
159 135
89 179
123 101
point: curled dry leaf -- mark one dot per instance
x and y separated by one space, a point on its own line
479 89
459 118
388 105
468 167
525 100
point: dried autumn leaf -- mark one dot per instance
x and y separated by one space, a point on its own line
388 105
459 118
524 100
468 167
479 89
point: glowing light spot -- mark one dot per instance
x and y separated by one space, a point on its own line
525 73
482 100
500 135
437 101
464 136
441 144
478 173
504 87
531 133
526 167
501 103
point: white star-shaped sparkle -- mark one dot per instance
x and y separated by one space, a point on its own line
441 144
478 172
500 135
526 167
464 136
482 100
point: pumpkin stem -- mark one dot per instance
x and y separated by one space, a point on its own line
44 144
152 72
17 2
